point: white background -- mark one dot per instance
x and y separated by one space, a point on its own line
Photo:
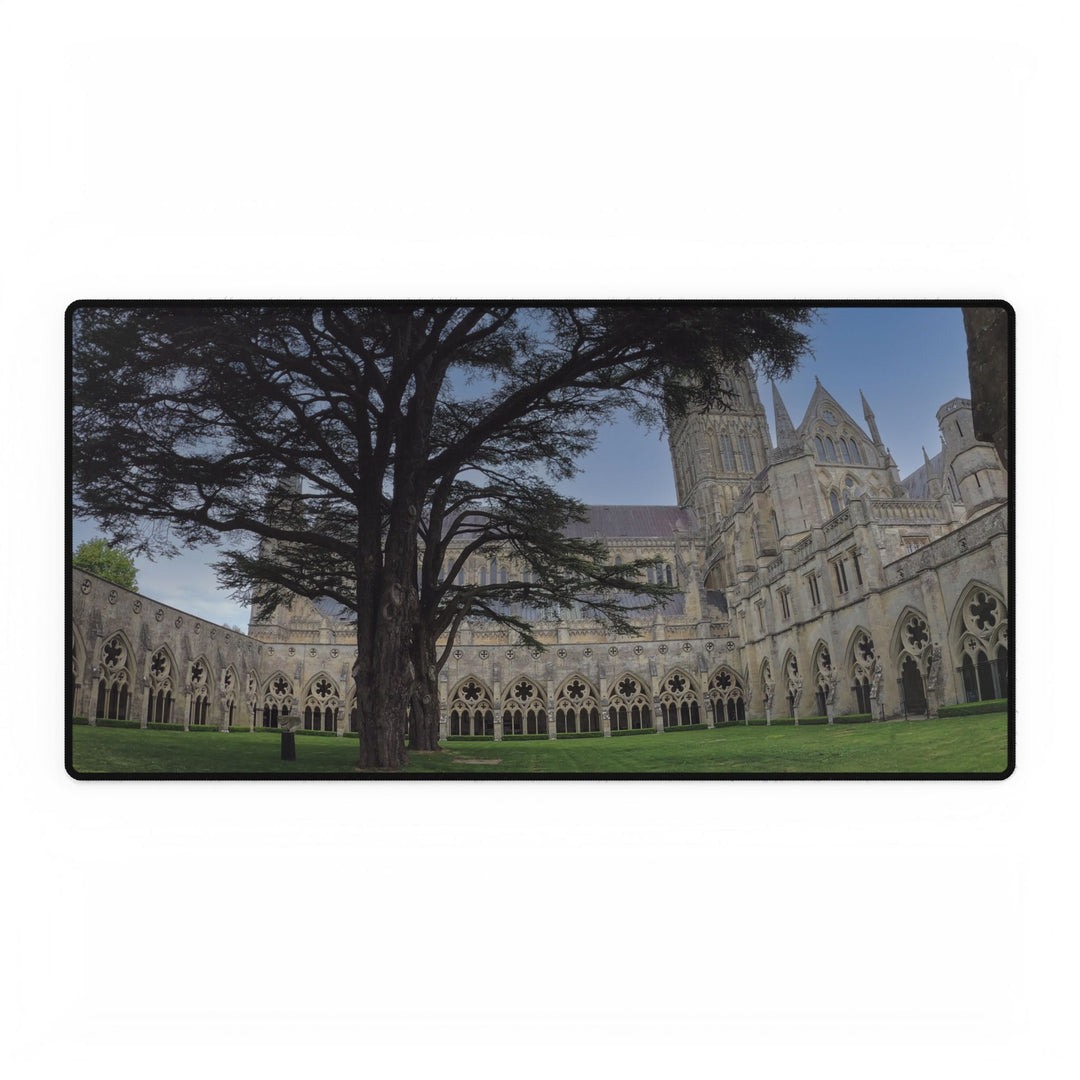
526 929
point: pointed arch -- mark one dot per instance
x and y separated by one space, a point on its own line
911 648
278 696
115 661
860 656
821 667
792 681
163 679
471 708
524 708
630 703
679 699
727 695
979 635
321 703
767 680
230 695
200 680
577 706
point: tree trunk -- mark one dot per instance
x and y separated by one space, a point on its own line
987 331
424 709
380 671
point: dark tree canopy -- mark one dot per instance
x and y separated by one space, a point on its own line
356 451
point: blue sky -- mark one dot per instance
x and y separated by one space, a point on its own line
907 361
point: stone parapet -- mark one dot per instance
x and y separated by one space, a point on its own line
974 534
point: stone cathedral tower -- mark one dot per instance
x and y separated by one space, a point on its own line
717 452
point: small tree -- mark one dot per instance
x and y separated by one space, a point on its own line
101 558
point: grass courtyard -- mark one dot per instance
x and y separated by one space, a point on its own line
957 745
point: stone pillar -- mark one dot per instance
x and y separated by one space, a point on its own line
187 708
830 710
705 705
549 691
768 711
605 718
92 696
444 716
658 716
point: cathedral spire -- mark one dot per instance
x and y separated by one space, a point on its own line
868 414
786 439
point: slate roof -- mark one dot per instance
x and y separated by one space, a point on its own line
611 522
917 485
331 609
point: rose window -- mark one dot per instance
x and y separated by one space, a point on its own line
323 688
471 692
983 612
523 691
917 633
866 648
114 653
576 690
281 687
628 688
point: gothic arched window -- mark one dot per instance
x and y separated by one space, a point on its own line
727 453
834 502
830 450
855 453
820 448
747 455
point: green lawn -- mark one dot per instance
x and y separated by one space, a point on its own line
959 745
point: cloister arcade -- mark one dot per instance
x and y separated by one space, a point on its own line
918 669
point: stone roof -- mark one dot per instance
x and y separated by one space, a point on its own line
917 485
612 522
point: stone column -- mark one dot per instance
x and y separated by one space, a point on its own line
705 705
92 696
605 718
444 716
658 716
549 692
187 708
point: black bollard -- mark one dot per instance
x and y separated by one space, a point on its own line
288 746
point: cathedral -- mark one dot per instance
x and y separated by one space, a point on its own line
812 582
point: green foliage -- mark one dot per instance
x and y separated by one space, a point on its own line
975 708
99 557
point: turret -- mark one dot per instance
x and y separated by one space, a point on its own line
974 465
